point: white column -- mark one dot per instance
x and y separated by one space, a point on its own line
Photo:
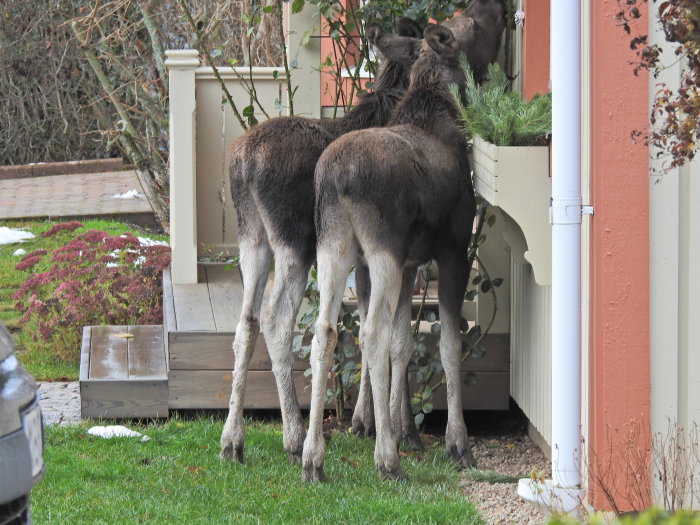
304 60
181 66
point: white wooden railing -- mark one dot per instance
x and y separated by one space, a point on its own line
202 126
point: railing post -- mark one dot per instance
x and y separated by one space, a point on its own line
181 66
305 59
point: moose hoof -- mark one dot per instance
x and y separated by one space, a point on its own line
395 474
294 458
231 453
463 458
312 474
360 430
412 442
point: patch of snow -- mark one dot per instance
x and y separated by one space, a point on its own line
144 241
151 242
114 431
19 252
131 194
10 235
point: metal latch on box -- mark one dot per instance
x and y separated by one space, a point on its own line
567 211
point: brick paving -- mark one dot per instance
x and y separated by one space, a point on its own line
85 195
60 402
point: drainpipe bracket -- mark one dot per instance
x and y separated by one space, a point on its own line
551 500
567 211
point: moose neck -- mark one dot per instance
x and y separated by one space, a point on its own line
427 104
374 109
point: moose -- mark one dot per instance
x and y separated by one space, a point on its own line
271 172
274 199
393 198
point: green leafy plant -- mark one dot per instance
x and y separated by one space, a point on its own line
425 367
344 22
346 367
500 116
653 516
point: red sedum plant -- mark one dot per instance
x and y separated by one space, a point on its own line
94 279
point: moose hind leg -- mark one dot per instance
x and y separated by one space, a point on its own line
363 414
401 351
375 338
451 287
334 262
291 272
254 266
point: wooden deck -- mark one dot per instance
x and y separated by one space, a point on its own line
123 372
199 326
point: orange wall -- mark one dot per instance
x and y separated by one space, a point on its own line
535 48
619 286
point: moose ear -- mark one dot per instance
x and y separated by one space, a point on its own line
440 39
373 32
409 27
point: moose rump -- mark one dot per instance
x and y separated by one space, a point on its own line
397 190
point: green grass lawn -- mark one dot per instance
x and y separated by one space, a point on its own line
40 361
177 477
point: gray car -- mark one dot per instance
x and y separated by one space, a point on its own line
21 435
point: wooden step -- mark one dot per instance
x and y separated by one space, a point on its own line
200 321
123 372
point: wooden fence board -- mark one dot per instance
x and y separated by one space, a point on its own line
213 351
211 389
490 392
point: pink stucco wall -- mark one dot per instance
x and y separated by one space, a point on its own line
619 258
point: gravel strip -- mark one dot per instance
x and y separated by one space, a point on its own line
511 455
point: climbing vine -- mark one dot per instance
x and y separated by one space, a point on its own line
350 62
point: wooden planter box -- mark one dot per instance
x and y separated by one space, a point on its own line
516 179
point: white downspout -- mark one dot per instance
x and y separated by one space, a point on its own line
563 493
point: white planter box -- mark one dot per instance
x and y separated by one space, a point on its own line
516 179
